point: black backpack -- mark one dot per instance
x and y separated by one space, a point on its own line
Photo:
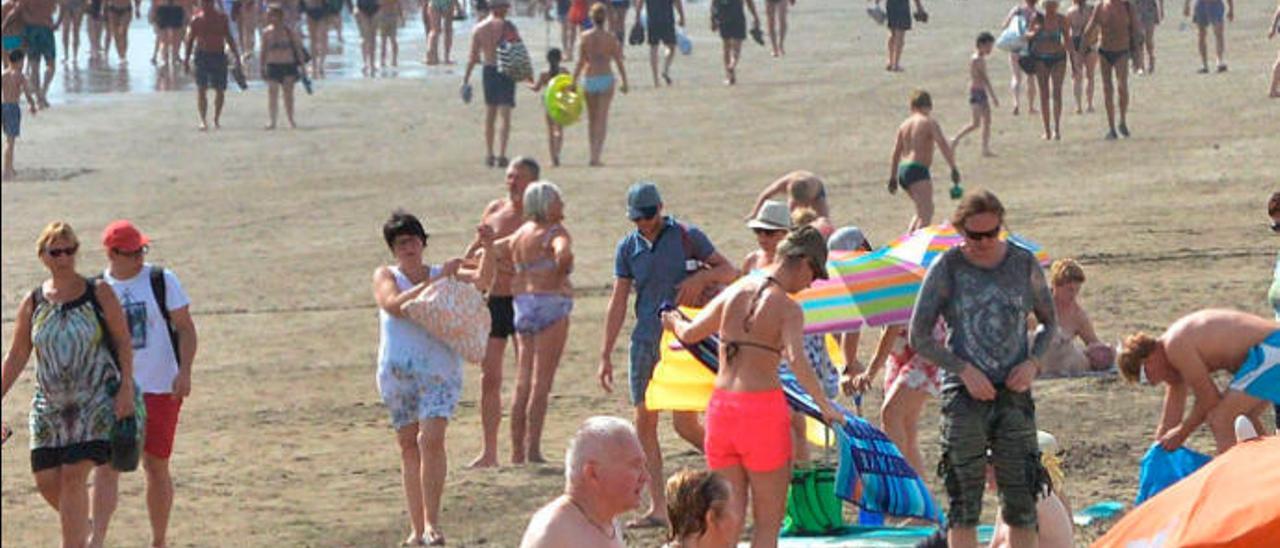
160 292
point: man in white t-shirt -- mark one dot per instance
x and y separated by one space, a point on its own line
162 372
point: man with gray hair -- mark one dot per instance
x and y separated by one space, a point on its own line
605 475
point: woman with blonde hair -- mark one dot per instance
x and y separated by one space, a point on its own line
597 50
700 513
541 251
1064 358
84 377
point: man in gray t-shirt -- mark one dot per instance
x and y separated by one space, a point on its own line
985 289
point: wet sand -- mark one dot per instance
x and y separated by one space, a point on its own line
275 234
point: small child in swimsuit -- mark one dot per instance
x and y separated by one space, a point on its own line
981 95
555 132
913 154
15 86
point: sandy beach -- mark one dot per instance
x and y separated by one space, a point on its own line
285 442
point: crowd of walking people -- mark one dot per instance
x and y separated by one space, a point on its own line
122 344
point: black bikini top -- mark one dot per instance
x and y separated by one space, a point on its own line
731 348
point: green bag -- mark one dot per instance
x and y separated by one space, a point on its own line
812 505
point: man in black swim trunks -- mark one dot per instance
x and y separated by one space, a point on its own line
499 89
1119 31
169 17
504 216
210 33
662 17
898 19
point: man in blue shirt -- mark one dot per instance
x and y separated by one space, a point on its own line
665 261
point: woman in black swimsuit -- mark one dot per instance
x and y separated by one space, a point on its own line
1047 39
365 12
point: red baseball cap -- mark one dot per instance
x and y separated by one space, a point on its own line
123 236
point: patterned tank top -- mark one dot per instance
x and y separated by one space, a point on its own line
74 368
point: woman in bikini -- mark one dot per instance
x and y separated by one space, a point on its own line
541 251
318 23
1026 10
1047 40
596 51
438 18
366 11
281 60
748 433
1083 53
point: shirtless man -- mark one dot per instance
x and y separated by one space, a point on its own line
748 422
1185 355
210 32
913 154
1119 28
605 475
499 90
37 16
664 16
504 216
1208 13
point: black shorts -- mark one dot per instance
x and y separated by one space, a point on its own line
502 317
52 457
211 70
279 72
898 13
170 17
499 89
662 32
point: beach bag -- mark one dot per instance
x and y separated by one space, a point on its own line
682 42
513 56
812 505
1012 38
455 313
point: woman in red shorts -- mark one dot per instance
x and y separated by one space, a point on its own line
748 434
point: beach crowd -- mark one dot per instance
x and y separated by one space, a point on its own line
115 351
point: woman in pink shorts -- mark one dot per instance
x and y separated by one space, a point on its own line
748 437
909 380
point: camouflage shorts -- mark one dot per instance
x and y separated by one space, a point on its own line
1006 427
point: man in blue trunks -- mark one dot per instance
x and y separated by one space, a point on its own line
37 16
665 261
913 154
1185 356
1208 13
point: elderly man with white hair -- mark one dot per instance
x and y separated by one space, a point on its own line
542 257
605 475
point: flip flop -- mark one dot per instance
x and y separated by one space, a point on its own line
647 522
433 538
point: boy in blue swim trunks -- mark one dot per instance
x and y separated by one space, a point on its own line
15 86
981 95
913 154
1188 352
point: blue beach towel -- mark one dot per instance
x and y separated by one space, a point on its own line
889 485
1161 468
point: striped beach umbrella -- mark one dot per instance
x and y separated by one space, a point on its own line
864 290
925 245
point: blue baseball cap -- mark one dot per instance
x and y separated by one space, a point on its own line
643 200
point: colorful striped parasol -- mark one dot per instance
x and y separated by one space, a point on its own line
865 290
924 246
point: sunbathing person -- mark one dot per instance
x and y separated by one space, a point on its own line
1065 359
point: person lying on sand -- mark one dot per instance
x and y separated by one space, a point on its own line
1185 355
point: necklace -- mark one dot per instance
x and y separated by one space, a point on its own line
607 533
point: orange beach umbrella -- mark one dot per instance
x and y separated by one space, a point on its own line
1232 501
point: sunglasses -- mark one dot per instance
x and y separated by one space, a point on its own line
135 253
68 251
768 231
645 214
979 236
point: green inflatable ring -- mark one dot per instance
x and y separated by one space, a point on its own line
563 100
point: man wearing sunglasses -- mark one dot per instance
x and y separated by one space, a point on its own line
164 348
984 289
664 261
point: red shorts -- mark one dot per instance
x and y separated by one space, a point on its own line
750 429
162 423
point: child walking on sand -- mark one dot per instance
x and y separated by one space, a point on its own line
913 155
555 132
981 95
15 86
